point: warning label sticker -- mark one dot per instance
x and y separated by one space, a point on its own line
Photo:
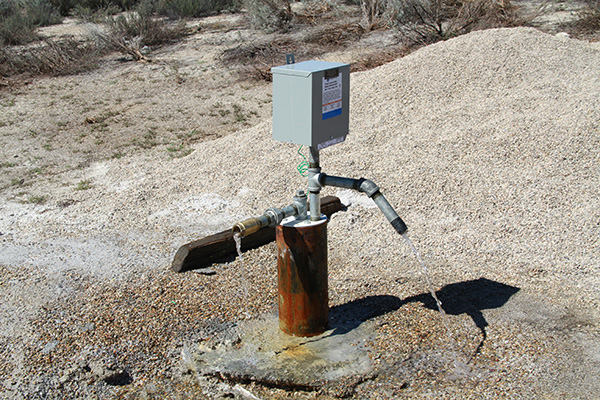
332 96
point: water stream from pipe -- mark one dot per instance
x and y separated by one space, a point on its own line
237 238
429 285
460 368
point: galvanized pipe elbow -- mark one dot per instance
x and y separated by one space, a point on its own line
370 189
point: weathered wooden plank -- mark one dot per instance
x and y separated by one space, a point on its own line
206 251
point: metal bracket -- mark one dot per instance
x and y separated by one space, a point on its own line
290 58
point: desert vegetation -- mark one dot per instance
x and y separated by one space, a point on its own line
130 27
19 20
589 17
134 27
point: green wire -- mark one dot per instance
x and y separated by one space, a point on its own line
303 166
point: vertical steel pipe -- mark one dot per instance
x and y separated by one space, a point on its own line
302 277
314 188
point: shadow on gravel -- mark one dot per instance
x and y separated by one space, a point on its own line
469 297
119 379
346 317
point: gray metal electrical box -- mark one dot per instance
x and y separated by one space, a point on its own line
311 103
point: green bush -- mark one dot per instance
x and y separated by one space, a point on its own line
68 7
90 9
63 6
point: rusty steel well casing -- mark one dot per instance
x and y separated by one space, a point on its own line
302 277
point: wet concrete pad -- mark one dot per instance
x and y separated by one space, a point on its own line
257 351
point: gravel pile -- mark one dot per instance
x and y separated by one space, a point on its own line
487 144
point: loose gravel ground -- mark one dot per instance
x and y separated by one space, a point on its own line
487 144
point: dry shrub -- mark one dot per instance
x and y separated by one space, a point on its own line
20 18
313 12
589 18
480 14
153 31
378 58
50 57
127 33
428 21
269 15
194 8
256 60
130 33
336 36
371 12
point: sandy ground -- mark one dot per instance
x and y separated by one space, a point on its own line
486 144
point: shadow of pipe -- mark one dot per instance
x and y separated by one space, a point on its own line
468 297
